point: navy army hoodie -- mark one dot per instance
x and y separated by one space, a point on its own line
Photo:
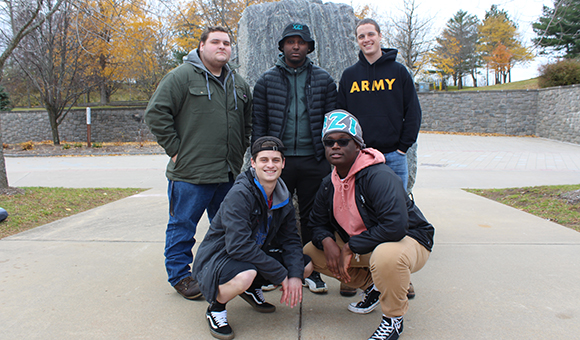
383 98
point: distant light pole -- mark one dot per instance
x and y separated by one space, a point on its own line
88 127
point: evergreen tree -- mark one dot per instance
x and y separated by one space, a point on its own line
557 29
457 46
4 100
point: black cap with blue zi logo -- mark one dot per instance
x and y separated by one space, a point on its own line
296 29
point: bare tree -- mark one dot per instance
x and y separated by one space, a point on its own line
411 36
58 74
11 35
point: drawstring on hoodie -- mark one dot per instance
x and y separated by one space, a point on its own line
195 61
344 187
207 85
234 83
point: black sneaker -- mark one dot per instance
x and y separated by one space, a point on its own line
255 297
218 324
315 283
369 302
389 329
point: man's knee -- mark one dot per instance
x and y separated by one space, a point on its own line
389 256
243 280
317 256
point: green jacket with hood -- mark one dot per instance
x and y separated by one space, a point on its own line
205 123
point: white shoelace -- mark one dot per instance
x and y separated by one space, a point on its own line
260 295
364 295
386 329
257 294
221 318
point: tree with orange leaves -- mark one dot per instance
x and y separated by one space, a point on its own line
129 44
497 29
196 15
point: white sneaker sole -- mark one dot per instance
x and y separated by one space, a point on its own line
353 308
312 286
269 288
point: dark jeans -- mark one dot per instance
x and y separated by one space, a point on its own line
304 173
187 203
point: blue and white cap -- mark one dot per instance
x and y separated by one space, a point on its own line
343 121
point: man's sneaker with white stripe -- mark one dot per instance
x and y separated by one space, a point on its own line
315 284
269 287
389 329
369 302
255 297
218 324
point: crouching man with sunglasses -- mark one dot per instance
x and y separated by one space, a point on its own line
366 232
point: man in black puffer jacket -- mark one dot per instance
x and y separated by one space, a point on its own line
290 101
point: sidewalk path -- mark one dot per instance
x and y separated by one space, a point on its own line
495 272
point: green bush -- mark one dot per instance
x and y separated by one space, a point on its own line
66 146
78 145
97 145
4 100
564 72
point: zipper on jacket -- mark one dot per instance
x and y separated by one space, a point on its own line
295 110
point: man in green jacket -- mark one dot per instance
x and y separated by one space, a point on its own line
201 115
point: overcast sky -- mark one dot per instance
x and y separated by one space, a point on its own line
523 12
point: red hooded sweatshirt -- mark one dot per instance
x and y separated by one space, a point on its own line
344 203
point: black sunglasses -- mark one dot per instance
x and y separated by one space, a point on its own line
341 142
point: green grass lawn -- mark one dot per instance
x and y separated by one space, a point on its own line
529 84
543 201
38 205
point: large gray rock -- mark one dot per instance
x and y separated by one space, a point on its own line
331 25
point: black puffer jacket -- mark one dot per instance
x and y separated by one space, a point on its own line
271 100
379 199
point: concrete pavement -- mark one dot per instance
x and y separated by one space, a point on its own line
495 272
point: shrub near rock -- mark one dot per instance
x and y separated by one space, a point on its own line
564 72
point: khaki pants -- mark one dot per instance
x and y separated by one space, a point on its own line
389 266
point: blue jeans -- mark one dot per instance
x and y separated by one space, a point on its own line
398 163
187 202
3 214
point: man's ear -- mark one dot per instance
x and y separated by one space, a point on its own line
252 163
283 162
